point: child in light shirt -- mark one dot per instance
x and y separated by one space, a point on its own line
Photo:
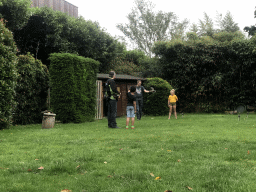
131 106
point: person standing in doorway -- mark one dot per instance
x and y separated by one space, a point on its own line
139 98
113 96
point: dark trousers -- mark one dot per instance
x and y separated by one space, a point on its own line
139 106
112 110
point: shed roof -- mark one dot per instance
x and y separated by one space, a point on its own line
126 77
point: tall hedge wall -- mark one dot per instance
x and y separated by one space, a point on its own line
210 77
156 103
31 90
8 75
73 87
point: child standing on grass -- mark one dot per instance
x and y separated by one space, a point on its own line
131 106
172 103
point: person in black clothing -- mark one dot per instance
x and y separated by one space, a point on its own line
131 106
139 98
113 96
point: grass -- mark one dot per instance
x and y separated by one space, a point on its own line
205 152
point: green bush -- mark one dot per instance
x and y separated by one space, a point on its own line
210 73
31 90
8 75
156 103
73 87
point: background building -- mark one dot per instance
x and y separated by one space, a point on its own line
60 5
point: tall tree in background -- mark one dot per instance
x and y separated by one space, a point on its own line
145 27
227 23
206 27
252 29
194 28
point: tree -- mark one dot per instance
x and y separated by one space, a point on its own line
194 28
252 29
206 26
227 23
8 75
155 103
49 31
178 29
16 12
145 27
228 36
31 90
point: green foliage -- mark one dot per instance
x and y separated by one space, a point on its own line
227 24
208 73
151 67
156 103
31 90
16 12
122 66
128 62
134 56
49 31
8 75
192 36
73 87
252 29
226 37
146 27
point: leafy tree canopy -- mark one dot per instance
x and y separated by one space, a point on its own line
146 27
16 12
252 29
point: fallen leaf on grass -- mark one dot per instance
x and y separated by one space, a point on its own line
152 174
157 178
179 160
169 150
66 190
78 166
105 162
226 148
121 149
36 159
3 168
248 152
110 176
29 170
41 167
189 188
167 191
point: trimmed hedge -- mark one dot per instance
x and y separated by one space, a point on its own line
156 103
31 90
8 75
73 87
210 77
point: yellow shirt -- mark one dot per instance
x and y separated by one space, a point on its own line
173 98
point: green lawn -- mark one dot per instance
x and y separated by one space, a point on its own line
205 152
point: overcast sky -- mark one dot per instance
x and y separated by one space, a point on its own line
111 12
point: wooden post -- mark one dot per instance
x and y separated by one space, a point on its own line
99 97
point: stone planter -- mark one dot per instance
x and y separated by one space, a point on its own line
48 120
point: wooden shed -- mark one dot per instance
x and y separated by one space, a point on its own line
123 82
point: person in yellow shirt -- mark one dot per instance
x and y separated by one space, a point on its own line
172 103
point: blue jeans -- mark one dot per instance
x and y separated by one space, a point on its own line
130 111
